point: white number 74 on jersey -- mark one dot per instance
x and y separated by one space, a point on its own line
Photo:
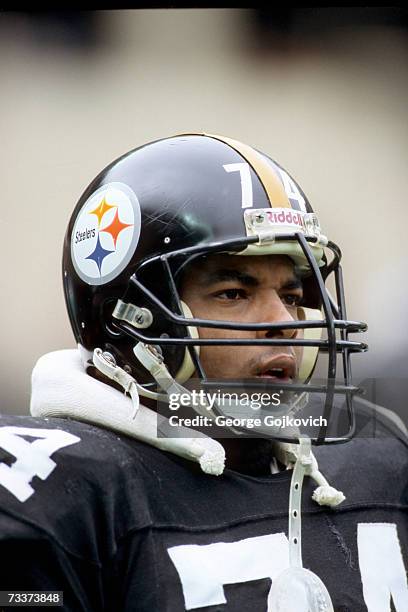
32 458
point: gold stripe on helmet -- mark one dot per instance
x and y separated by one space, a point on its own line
270 181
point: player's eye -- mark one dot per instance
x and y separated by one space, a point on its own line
232 294
292 299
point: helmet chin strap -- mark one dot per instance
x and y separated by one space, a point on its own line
105 363
146 425
153 361
324 494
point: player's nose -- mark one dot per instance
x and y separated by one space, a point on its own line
275 310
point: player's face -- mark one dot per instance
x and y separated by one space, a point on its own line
251 289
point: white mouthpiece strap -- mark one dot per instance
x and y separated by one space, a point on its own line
303 461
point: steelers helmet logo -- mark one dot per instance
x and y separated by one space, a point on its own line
105 234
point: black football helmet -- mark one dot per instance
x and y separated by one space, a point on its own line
151 212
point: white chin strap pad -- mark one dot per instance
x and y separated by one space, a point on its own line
187 367
310 353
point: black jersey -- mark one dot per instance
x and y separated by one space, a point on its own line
118 525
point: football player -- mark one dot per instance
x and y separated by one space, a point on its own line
168 460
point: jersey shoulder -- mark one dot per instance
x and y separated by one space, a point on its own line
67 479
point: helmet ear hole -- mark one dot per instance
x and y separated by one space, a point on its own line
310 353
106 316
187 368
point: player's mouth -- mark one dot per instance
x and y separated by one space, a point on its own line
281 368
